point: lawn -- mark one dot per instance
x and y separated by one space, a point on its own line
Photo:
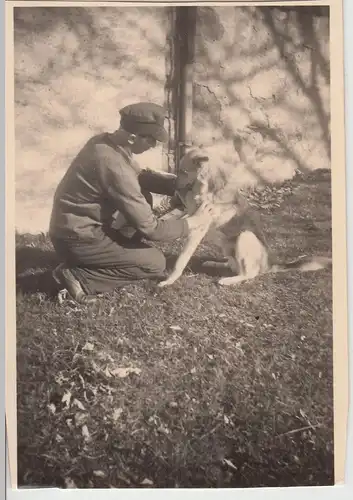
189 386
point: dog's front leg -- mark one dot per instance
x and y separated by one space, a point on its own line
194 239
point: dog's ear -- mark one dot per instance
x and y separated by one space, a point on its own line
199 156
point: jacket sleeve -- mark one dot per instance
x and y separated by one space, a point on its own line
121 186
157 182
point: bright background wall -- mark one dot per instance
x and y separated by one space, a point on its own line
75 67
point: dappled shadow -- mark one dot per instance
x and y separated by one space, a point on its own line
75 67
95 46
284 40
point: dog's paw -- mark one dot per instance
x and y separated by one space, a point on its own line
231 280
228 281
166 282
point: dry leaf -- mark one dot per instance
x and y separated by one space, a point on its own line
107 372
302 413
69 423
52 408
82 380
66 398
193 370
79 405
60 379
70 483
95 366
230 464
175 328
85 433
147 482
124 372
117 413
80 418
59 439
88 347
99 473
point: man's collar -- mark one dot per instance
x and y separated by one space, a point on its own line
115 142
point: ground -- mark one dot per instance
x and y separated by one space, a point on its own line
189 386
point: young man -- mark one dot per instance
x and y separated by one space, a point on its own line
104 185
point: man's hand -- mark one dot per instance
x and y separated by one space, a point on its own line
201 217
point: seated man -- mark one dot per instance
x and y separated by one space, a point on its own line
105 186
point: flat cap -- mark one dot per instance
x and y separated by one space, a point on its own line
144 118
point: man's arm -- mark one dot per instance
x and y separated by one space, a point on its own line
122 187
157 182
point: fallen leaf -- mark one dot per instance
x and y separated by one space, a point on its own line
60 379
88 347
124 372
230 464
66 398
79 405
59 439
147 482
117 413
107 372
175 328
99 473
85 433
95 366
163 429
70 483
193 370
69 423
82 380
80 418
52 408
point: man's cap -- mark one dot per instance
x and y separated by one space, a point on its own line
144 118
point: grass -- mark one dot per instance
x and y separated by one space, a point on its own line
229 387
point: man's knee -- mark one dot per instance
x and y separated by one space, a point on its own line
154 262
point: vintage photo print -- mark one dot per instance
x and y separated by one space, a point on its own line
176 249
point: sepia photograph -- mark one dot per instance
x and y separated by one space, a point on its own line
173 245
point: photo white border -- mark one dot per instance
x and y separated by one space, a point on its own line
339 252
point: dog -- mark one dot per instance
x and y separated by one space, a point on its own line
237 231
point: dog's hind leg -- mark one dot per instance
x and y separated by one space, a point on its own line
250 258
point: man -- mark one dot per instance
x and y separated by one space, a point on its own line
104 185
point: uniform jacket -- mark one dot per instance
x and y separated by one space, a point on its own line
104 184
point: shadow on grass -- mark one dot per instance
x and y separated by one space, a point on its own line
34 270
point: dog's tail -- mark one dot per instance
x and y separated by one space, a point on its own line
304 264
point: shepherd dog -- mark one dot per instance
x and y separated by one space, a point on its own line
233 224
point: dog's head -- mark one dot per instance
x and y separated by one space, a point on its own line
190 167
201 178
